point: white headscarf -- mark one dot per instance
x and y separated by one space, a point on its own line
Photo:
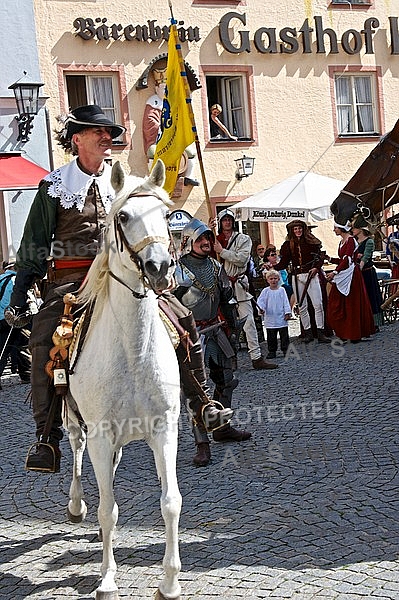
346 227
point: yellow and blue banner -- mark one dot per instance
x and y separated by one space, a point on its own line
177 121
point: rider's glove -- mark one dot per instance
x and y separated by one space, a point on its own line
17 316
18 313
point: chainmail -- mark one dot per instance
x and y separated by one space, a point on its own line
205 272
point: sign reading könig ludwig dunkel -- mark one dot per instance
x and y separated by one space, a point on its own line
283 216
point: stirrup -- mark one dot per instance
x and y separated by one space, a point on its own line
216 404
33 450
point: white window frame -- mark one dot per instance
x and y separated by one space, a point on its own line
353 2
227 83
113 112
354 104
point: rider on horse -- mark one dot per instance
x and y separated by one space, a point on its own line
66 217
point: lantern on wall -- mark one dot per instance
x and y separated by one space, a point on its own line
27 99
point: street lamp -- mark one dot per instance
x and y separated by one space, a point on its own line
245 167
27 98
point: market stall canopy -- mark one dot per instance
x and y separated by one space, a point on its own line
302 196
18 173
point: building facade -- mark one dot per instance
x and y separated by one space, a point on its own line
22 163
305 85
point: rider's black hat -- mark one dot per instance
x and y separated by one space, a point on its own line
90 116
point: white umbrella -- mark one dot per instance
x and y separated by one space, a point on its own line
301 196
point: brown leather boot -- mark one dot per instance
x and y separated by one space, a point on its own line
260 363
203 456
214 418
230 434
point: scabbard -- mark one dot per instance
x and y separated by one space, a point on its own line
305 289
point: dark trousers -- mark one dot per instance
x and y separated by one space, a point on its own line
272 339
43 326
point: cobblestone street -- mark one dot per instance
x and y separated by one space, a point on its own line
307 509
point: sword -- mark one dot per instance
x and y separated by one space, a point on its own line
305 289
308 280
211 327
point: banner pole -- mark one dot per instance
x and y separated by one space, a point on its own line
191 112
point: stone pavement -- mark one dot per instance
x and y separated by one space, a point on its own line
307 509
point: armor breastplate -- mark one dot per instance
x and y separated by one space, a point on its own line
200 277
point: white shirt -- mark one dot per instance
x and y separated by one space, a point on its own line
275 304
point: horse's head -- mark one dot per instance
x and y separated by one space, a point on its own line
140 228
375 185
343 208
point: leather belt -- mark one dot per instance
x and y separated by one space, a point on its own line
77 264
203 324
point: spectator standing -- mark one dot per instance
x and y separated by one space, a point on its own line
259 258
271 260
364 258
348 311
13 343
303 250
273 302
234 249
392 252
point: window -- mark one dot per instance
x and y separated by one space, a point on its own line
231 92
104 85
94 89
355 99
352 2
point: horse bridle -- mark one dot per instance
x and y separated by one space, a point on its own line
134 250
364 210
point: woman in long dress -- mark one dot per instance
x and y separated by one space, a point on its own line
364 258
349 312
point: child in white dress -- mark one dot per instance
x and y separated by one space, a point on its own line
276 311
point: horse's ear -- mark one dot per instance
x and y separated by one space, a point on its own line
157 176
117 177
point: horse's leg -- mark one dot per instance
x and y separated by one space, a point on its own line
102 456
116 461
164 447
77 508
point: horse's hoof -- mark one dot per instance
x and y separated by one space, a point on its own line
107 595
77 518
160 596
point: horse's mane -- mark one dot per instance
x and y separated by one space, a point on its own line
96 282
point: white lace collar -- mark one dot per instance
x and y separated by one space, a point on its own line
70 185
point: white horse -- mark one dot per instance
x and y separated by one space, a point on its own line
124 382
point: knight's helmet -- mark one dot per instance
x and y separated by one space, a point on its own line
192 231
226 212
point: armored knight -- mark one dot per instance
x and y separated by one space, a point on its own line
205 289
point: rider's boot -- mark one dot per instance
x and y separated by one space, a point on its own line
203 454
44 455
